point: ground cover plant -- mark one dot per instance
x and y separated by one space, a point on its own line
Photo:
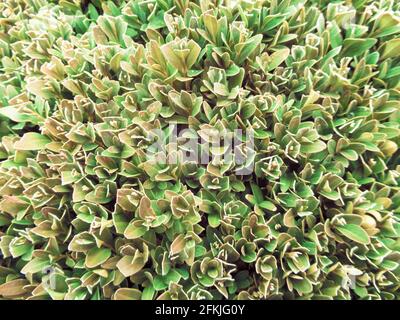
91 209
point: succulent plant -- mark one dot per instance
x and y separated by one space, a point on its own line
104 195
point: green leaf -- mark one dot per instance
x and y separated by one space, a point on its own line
245 49
389 265
288 199
159 284
13 288
14 114
268 205
312 147
257 193
349 154
36 265
277 58
354 232
388 31
390 49
113 27
214 220
32 141
127 294
148 293
129 265
391 73
302 286
194 53
335 35
135 230
172 276
93 14
169 54
211 25
354 47
97 256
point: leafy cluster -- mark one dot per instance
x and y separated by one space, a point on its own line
84 83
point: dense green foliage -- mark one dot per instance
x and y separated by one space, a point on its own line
88 212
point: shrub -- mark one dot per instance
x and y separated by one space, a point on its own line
289 191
